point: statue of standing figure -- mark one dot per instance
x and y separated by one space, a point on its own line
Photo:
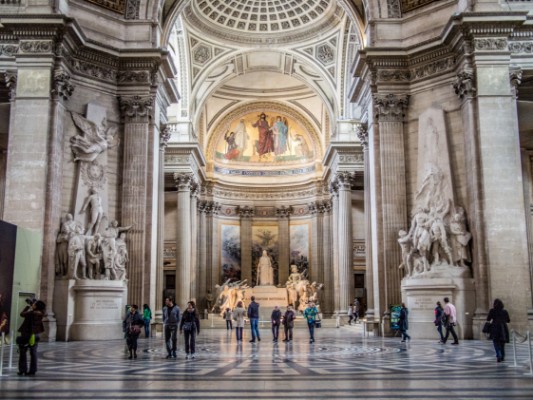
460 238
109 248
76 254
94 202
265 272
68 228
94 256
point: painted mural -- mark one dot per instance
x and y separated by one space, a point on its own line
265 237
264 138
299 246
230 256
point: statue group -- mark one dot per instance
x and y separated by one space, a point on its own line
301 291
102 255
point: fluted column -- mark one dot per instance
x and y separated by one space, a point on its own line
345 267
202 257
283 214
194 243
136 111
362 133
390 113
327 246
247 214
163 142
183 238
216 268
313 270
334 189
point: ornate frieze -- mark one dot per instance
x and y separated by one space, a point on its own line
136 77
390 107
362 133
169 253
8 50
351 158
393 9
184 181
36 46
410 5
464 84
521 47
433 68
387 75
61 85
136 107
132 9
92 70
258 195
490 44
177 159
118 6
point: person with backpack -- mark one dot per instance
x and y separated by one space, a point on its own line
439 311
171 318
30 331
404 323
499 332
147 317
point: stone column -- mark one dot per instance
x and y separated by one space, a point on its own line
390 110
202 258
210 283
216 268
327 247
313 270
184 181
283 214
163 142
335 288
362 133
136 111
344 226
247 214
194 242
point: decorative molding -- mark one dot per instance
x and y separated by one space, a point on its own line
177 159
36 47
491 44
184 181
93 70
8 50
246 212
521 47
136 107
359 250
351 159
93 174
390 107
410 5
61 85
464 84
362 133
283 212
131 10
393 9
169 253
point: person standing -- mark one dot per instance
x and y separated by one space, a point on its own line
404 323
356 310
288 323
253 315
238 315
439 311
499 333
311 315
171 318
276 320
450 315
350 314
30 331
131 326
190 326
147 317
228 315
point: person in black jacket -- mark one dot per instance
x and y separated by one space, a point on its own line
32 325
253 315
499 333
276 320
439 311
404 323
190 326
131 326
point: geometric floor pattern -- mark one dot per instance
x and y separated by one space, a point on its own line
341 364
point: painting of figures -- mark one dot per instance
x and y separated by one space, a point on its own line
265 237
230 257
264 137
299 246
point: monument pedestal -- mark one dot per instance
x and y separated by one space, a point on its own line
89 309
268 297
421 293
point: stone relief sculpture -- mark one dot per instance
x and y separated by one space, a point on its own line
93 139
67 229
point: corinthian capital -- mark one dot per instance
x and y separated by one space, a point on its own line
184 181
464 84
390 107
283 212
62 86
362 134
344 180
246 212
164 137
136 107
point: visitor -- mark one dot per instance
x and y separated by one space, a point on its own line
439 311
171 317
350 314
288 323
228 316
449 321
131 326
356 310
311 315
190 326
404 323
147 317
253 315
499 333
276 319
238 315
30 331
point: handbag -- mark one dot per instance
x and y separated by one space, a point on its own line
487 327
188 326
135 330
318 324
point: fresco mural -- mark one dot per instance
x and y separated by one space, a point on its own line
265 237
264 138
299 246
230 257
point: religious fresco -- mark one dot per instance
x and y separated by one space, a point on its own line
299 246
265 237
264 138
230 252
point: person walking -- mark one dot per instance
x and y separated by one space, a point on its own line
238 315
190 326
356 310
228 316
404 323
131 326
499 333
253 315
288 323
450 318
147 317
30 331
439 311
311 315
276 320
171 318
350 314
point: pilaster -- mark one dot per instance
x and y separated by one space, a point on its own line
283 213
246 213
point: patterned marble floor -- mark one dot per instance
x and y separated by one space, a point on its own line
341 364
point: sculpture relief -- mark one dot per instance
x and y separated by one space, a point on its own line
93 140
300 291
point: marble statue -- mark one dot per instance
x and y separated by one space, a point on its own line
406 244
94 256
93 140
209 300
230 294
94 203
420 235
265 272
109 248
460 237
121 258
76 254
66 231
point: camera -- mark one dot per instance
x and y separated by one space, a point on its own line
30 301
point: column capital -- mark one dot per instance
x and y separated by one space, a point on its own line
344 179
362 133
390 107
183 180
246 212
283 212
313 208
515 76
136 108
324 206
10 80
465 83
62 88
164 137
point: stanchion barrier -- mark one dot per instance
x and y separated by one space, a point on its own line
530 373
2 353
11 347
519 339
